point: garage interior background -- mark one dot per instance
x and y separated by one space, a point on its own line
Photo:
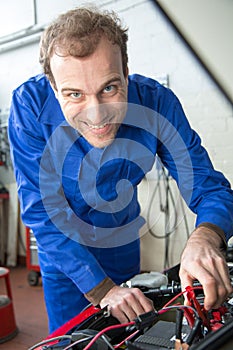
154 50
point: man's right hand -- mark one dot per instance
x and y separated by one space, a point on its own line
126 303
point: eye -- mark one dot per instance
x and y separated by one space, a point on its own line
76 95
109 88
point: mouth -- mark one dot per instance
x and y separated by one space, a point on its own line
97 127
101 129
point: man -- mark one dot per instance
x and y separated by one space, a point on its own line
83 135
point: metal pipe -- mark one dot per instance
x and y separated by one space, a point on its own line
18 43
21 34
35 12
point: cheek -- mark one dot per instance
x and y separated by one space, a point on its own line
70 111
122 95
121 109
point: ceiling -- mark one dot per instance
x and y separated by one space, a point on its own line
206 27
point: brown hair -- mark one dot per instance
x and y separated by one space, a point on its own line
77 33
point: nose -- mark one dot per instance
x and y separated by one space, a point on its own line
95 111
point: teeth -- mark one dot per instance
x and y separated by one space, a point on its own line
98 126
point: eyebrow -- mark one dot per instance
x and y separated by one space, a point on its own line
108 82
70 89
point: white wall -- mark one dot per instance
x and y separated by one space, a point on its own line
154 50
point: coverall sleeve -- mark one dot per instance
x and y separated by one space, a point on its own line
27 142
206 191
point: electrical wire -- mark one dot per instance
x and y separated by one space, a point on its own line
180 294
163 207
98 335
167 205
107 342
188 315
194 324
101 334
178 306
79 341
127 338
174 299
185 219
47 341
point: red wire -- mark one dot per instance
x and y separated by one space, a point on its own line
179 294
123 341
98 335
187 313
174 298
106 330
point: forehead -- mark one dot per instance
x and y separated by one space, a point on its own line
99 66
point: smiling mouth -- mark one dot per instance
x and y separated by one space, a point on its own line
101 128
98 127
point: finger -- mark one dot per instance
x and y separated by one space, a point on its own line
119 314
216 284
143 304
186 281
209 277
223 285
210 292
137 304
124 308
225 276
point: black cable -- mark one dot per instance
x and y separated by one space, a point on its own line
165 208
185 219
167 217
162 207
157 187
47 341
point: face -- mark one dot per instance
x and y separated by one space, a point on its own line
92 92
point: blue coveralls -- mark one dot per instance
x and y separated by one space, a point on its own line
85 220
